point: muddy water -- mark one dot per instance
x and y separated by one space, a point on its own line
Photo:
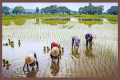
100 61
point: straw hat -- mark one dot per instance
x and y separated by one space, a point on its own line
29 58
55 51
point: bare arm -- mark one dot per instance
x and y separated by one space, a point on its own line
24 66
37 64
72 42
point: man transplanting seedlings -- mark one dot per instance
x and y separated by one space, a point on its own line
31 59
54 51
89 38
75 41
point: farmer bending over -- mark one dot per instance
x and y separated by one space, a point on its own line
31 59
89 38
76 40
54 51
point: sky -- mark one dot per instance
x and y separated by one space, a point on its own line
70 5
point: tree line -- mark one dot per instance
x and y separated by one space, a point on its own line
54 9
91 9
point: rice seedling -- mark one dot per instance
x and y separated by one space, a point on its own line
99 67
106 71
113 72
62 49
88 64
7 62
110 76
62 74
20 72
59 46
76 74
5 44
96 72
40 72
116 67
61 69
83 62
15 72
91 71
66 65
48 74
12 74
3 61
9 76
71 69
44 72
81 73
110 66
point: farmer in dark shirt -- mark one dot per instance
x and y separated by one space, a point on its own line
89 38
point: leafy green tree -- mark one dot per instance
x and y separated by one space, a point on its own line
113 10
21 9
90 9
68 12
86 10
100 9
47 10
6 12
42 10
5 8
63 9
37 10
18 9
75 12
52 9
80 10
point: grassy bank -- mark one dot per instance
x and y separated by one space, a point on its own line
20 19
9 17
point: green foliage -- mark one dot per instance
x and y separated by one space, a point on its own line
5 9
90 9
113 10
20 19
90 23
37 10
6 62
54 22
3 60
75 12
18 9
6 12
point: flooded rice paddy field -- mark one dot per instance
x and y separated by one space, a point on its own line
100 61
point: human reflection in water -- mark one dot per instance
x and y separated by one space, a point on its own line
44 51
7 68
89 53
31 73
75 53
3 64
37 21
54 68
48 51
19 45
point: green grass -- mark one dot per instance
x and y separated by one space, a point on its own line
56 16
54 22
90 23
20 19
